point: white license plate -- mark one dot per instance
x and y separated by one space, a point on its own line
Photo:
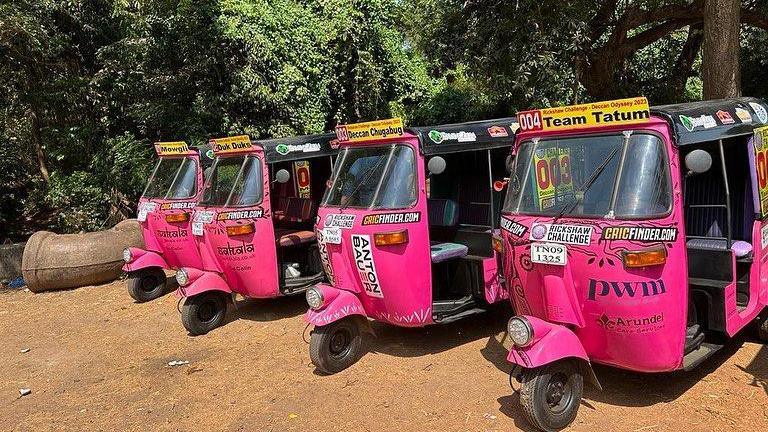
332 235
549 253
144 210
197 228
142 216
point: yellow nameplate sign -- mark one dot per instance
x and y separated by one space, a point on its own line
233 144
176 148
592 115
370 131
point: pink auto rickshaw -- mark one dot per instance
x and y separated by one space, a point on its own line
633 237
253 226
405 231
164 214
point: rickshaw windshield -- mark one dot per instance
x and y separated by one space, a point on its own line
235 181
172 178
593 176
373 178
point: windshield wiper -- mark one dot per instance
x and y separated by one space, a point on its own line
579 193
363 180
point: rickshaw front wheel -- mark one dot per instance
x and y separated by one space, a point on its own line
551 395
204 312
146 284
336 346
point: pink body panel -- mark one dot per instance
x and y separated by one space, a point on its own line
551 342
173 240
248 262
758 281
144 259
632 318
202 281
339 304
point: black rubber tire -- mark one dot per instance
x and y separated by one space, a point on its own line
539 395
204 312
146 284
336 346
762 330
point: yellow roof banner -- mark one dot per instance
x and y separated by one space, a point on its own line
592 115
370 131
232 144
176 148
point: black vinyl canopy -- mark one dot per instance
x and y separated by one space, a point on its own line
206 154
298 148
712 120
470 136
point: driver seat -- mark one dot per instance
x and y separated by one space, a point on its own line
298 211
444 213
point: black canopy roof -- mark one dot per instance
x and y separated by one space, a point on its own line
712 120
298 148
206 153
470 136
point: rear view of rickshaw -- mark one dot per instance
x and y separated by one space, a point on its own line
164 214
253 225
633 237
405 231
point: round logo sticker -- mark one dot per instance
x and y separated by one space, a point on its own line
328 220
762 114
539 231
282 149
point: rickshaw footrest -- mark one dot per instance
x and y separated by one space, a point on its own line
696 357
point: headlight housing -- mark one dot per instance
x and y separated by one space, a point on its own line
315 298
182 277
127 256
520 331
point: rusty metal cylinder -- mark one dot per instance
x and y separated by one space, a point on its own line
61 261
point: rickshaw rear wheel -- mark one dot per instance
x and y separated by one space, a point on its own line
204 312
336 346
146 284
551 395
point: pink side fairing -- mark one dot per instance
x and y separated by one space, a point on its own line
144 259
339 304
551 342
632 318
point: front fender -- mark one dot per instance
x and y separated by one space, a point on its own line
202 281
142 259
338 304
551 342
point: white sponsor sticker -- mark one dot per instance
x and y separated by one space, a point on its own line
197 228
366 269
762 114
340 220
145 209
764 236
571 234
204 216
549 253
332 235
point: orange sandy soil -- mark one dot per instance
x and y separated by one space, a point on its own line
97 361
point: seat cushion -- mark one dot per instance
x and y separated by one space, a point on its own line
294 237
294 209
442 212
445 251
740 248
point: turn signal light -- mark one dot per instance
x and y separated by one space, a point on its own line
392 238
498 244
645 258
237 230
177 217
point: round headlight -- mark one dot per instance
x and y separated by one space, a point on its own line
182 278
127 257
520 331
315 298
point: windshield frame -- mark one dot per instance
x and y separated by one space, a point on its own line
620 133
196 189
244 157
341 157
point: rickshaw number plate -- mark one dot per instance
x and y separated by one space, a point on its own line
197 228
145 209
549 253
332 235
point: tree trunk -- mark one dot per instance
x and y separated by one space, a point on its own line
720 67
35 129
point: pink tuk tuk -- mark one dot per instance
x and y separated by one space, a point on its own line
405 231
253 227
164 214
633 237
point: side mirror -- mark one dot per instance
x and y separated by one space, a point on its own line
282 176
698 161
499 185
436 165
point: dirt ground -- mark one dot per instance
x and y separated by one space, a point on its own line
97 361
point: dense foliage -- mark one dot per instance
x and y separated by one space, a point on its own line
87 85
